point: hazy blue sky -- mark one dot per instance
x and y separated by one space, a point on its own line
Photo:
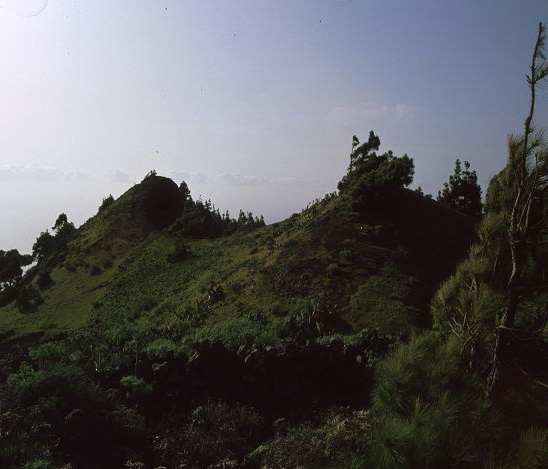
254 103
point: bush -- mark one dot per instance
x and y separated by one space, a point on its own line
425 438
135 387
7 294
107 202
529 452
235 332
428 413
53 393
210 434
341 441
24 442
422 369
311 321
180 252
41 463
44 280
28 299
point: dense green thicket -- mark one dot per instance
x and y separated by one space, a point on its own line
101 397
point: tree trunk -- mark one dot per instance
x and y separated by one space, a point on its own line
520 228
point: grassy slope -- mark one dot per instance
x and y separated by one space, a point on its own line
367 269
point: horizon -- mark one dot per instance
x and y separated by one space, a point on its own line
253 104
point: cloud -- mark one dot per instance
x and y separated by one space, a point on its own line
368 111
38 173
240 180
403 109
116 175
195 177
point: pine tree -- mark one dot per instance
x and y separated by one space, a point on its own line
462 192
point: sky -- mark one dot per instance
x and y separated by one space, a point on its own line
252 102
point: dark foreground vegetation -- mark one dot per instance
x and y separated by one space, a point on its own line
378 328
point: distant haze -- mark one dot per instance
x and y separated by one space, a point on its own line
253 103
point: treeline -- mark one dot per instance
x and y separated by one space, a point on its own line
201 219
372 176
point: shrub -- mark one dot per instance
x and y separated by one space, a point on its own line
7 294
160 349
135 387
340 441
429 415
235 332
181 252
421 369
529 452
210 434
28 299
107 202
425 438
44 280
24 442
311 321
48 354
53 393
215 294
41 463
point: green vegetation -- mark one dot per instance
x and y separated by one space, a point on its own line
462 192
147 327
376 328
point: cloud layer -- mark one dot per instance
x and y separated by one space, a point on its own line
240 180
370 111
38 173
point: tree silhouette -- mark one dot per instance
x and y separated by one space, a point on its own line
372 173
11 266
462 192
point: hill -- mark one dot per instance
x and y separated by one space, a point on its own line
363 270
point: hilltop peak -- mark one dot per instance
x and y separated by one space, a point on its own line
149 206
